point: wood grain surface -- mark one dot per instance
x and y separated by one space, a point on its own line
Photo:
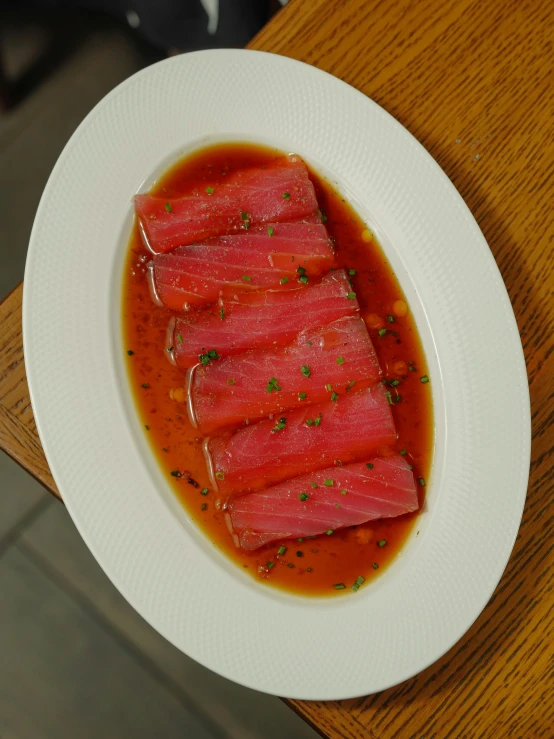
473 81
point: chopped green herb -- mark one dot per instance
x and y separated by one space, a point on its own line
269 565
284 280
305 370
230 381
272 385
164 449
282 550
421 481
394 383
145 385
410 466
299 553
343 492
389 396
340 360
329 483
309 569
337 506
424 379
339 586
351 272
390 319
290 564
147 427
271 231
302 396
322 215
369 466
210 190
167 206
350 385
314 485
300 540
310 343
330 531
301 270
382 543
222 313
247 278
130 352
303 496
402 452
394 333
204 491
286 195
382 331
244 216
175 473
204 506
303 279
375 566
220 475
279 426
207 357
397 398
334 397
357 583
317 421
309 422
351 296
384 381
328 387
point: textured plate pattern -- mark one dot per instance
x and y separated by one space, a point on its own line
113 490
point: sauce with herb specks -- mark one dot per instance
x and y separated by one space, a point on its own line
352 557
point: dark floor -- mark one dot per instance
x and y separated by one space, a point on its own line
75 660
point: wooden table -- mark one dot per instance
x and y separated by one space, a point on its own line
473 81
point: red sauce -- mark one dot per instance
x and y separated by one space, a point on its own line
324 560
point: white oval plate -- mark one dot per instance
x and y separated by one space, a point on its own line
120 502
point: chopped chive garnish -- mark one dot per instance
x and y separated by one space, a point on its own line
397 398
204 491
309 422
328 387
357 583
309 569
272 385
147 427
375 566
343 492
247 278
303 496
286 195
340 360
167 206
208 356
305 369
317 421
410 466
302 396
382 543
130 352
210 190
334 397
303 279
219 474
384 381
394 333
369 466
244 216
284 280
328 483
269 565
424 379
282 550
421 481
299 553
222 313
204 506
382 331
145 385
389 396
330 531
314 484
337 506
279 426
175 473
230 381
351 296
339 586
351 272
390 319
394 383
212 354
290 564
301 270
310 343
270 231
350 385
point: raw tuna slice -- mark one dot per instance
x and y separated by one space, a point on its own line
281 191
357 425
266 319
321 363
323 501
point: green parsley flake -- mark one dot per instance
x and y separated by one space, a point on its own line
340 360
314 484
130 352
286 195
390 319
303 279
334 397
328 387
222 313
305 370
247 278
422 481
382 331
282 550
279 426
290 564
145 385
302 396
301 270
351 296
269 565
343 492
424 379
284 280
339 586
402 452
375 566
330 531
204 506
303 496
210 190
369 466
357 583
230 381
244 216
167 206
204 491
351 272
328 483
179 338
271 231
382 543
389 396
272 385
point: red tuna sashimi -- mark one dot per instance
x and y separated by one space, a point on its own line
281 191
357 425
270 318
307 506
321 363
